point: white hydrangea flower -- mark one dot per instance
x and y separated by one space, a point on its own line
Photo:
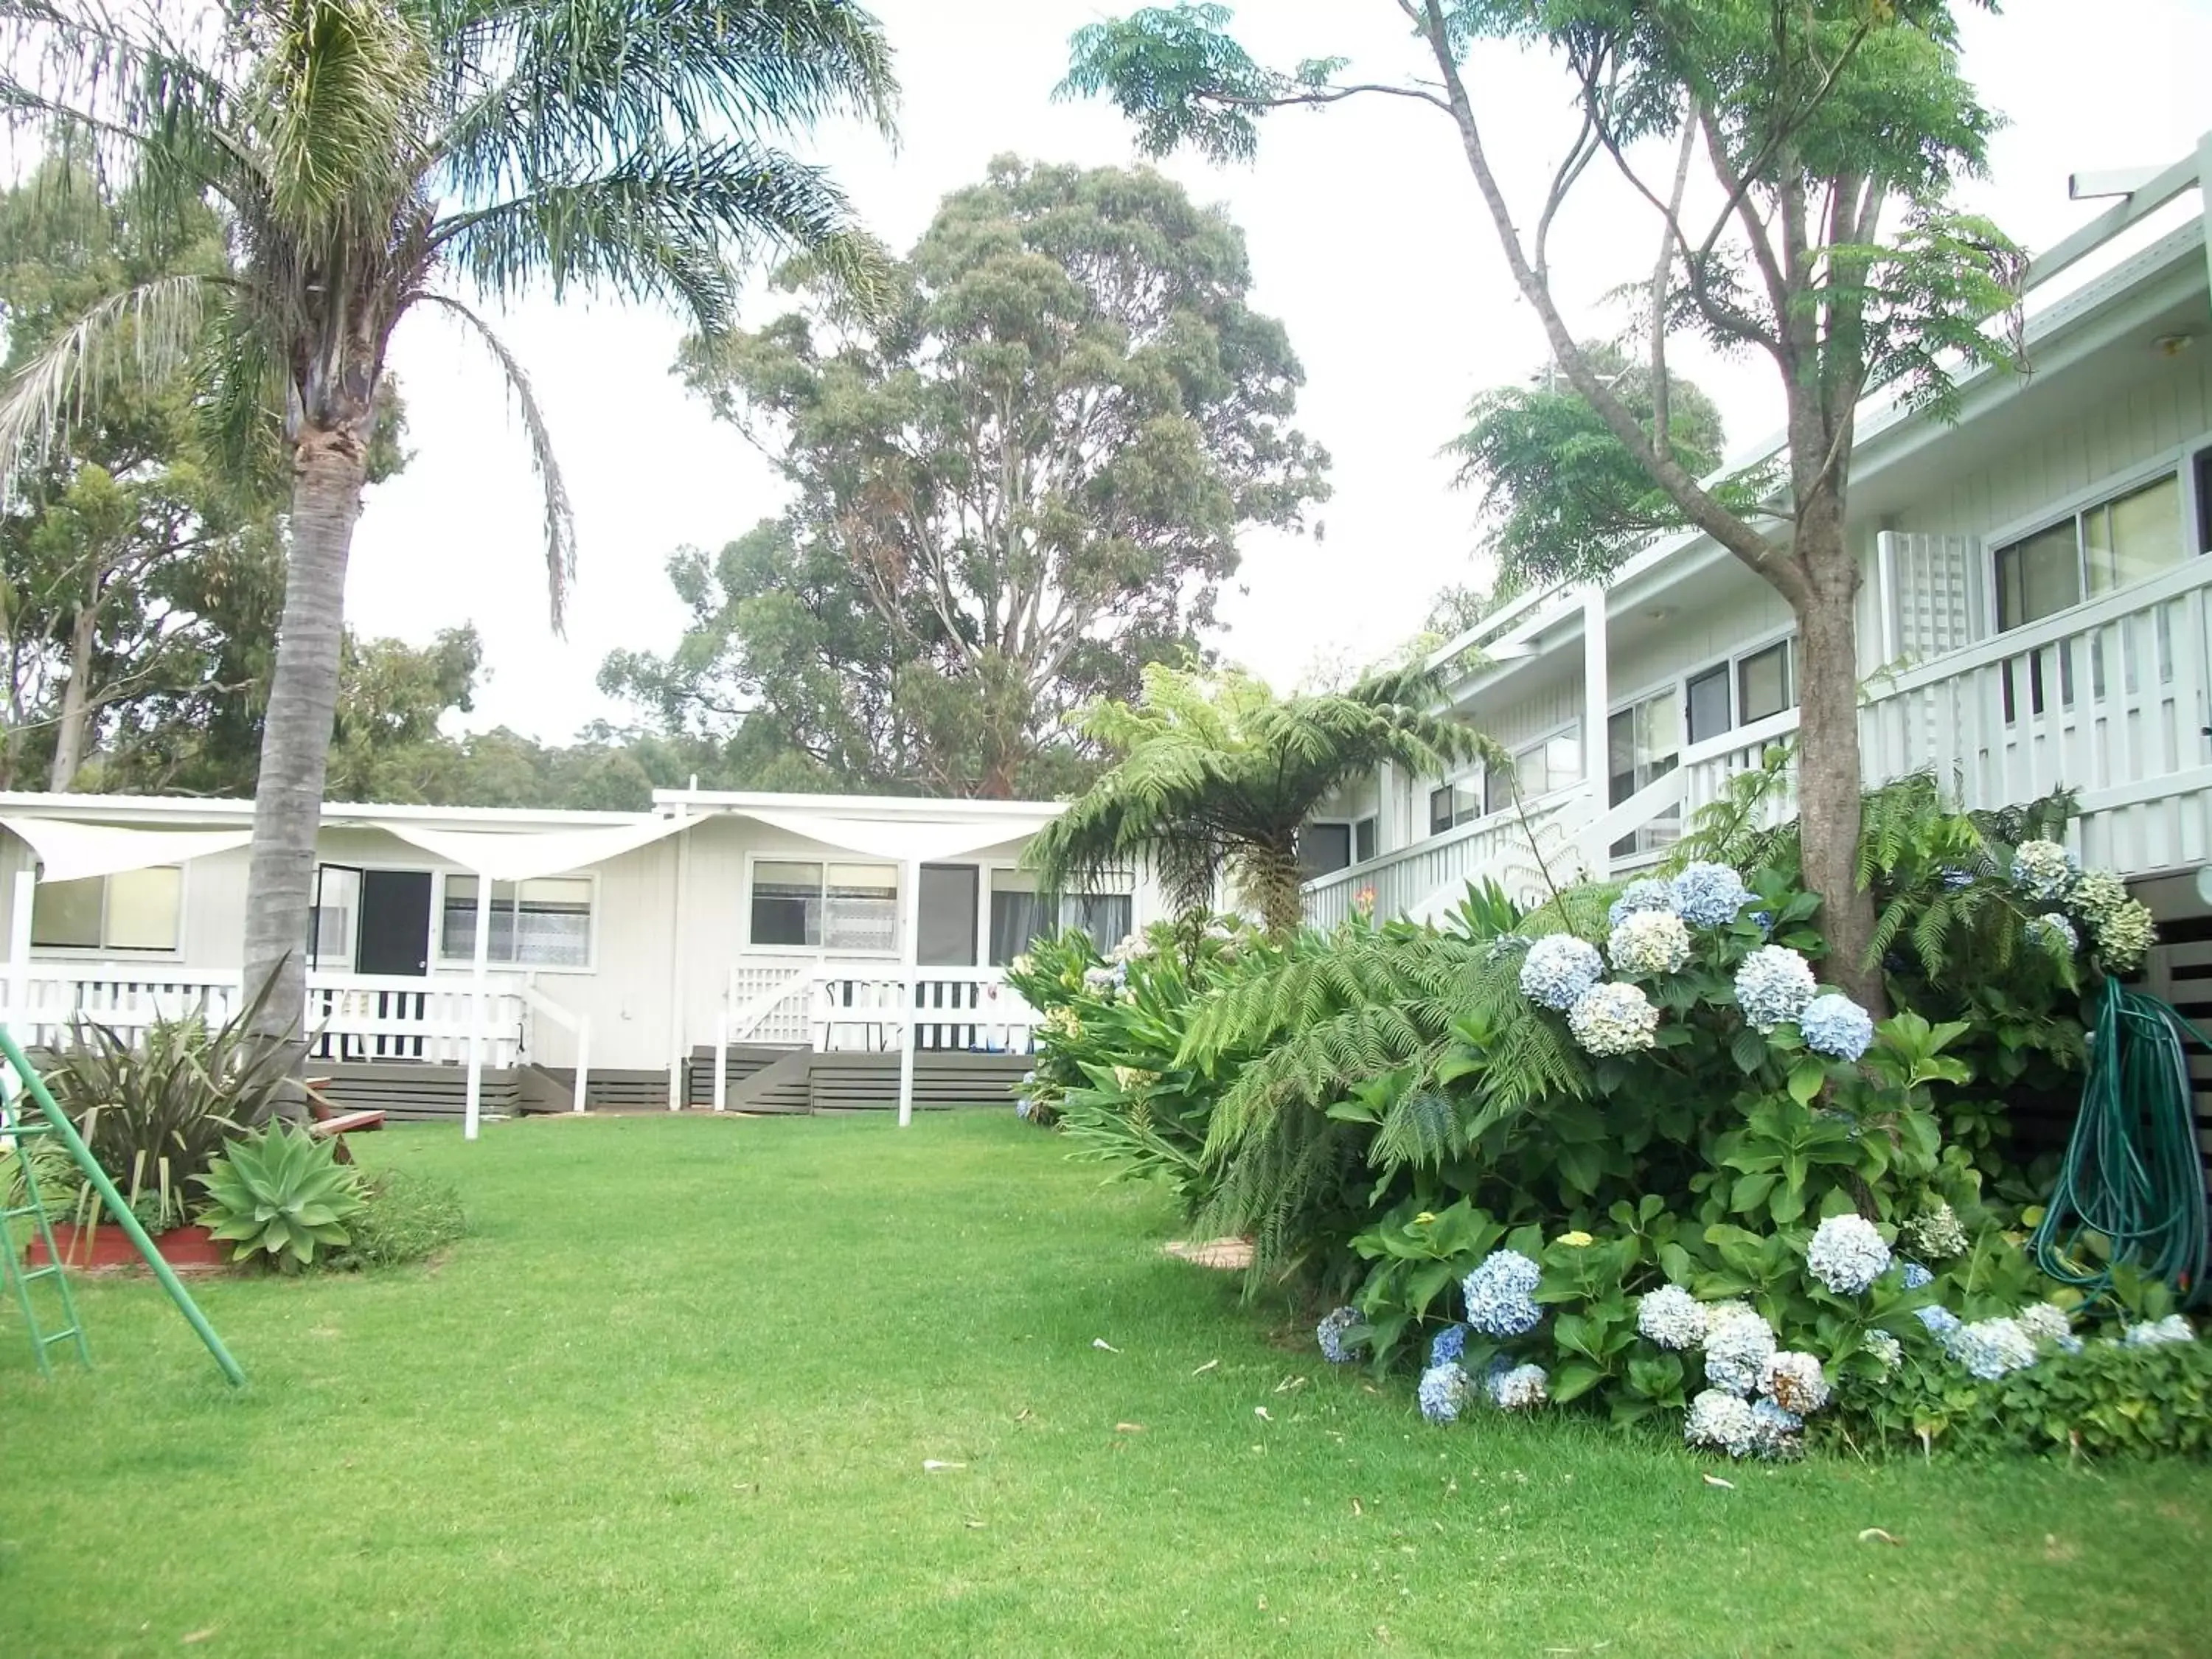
2045 1322
1795 1382
2097 894
1649 942
1736 1351
1937 1234
1614 1018
1847 1254
1991 1347
1558 968
2045 871
1523 1389
1772 986
2124 936
1722 1421
2171 1329
1671 1317
1886 1348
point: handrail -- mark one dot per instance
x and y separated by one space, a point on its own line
1544 807
577 1026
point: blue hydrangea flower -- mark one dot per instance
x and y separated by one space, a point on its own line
1836 1026
1773 985
1558 968
1501 1294
2045 871
1450 1343
1954 877
1774 1428
1940 1320
2053 932
2171 1329
1847 1254
1024 1108
1722 1421
1649 942
1916 1276
1614 1018
1520 1390
1710 895
1990 1348
1737 1345
1330 1334
1671 1317
1503 945
1765 920
1443 1392
1644 893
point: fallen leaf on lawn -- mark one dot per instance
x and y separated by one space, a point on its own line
1715 1480
1206 1367
1356 1509
1288 1383
937 1465
1023 1415
1260 1411
1101 1342
1128 1428
974 1525
202 1635
1871 1533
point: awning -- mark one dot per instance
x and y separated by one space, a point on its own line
72 851
904 839
524 857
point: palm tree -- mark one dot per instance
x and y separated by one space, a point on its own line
1215 777
368 157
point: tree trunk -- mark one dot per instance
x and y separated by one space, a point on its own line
1829 783
77 694
329 465
1273 884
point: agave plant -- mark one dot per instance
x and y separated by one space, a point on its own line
280 1193
155 1112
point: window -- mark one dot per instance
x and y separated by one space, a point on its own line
826 907
1538 769
2096 550
1643 743
1323 847
1020 915
1363 839
1454 804
2204 501
1706 703
1765 684
534 924
129 911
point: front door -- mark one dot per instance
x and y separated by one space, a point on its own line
395 922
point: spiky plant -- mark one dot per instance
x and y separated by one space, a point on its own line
1214 775
371 157
280 1194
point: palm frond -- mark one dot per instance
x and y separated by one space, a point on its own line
560 516
147 335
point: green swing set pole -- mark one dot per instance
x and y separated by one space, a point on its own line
59 1121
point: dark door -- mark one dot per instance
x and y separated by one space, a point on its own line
947 935
395 922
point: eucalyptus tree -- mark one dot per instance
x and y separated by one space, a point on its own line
380 160
1823 236
1213 777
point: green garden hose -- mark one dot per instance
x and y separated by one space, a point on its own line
2132 1174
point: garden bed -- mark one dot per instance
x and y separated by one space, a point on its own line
108 1249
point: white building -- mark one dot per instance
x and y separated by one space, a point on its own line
2033 615
723 949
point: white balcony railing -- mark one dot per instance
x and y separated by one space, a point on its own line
2113 699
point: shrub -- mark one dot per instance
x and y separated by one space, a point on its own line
404 1217
155 1112
280 1194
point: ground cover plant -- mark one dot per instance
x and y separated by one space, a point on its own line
1629 1151
675 1393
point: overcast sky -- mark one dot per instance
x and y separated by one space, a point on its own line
1365 239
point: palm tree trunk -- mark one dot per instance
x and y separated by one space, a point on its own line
329 466
1275 884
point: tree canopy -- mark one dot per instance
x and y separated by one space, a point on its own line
1017 484
1215 777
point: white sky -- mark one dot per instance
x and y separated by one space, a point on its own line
1366 239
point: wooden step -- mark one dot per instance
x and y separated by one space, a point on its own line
409 1091
856 1081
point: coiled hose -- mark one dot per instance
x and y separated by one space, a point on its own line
2132 1173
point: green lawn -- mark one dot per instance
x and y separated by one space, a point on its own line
675 1394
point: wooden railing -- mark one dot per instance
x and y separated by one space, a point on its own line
2113 699
953 1008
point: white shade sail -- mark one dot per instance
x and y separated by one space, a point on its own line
72 851
526 857
905 839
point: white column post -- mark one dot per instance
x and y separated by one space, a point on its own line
19 951
722 1060
1596 697
678 978
583 1062
472 1113
909 950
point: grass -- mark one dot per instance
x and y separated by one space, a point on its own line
675 1393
